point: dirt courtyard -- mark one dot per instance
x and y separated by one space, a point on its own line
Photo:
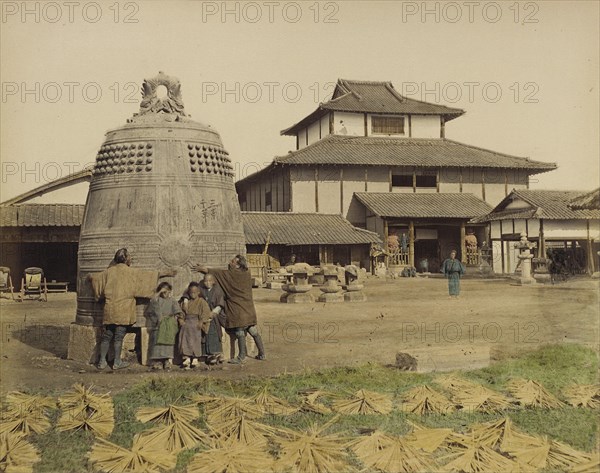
491 319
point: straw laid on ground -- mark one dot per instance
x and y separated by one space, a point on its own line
387 453
364 402
25 413
231 458
367 445
591 466
100 423
272 404
398 457
85 410
454 382
532 394
25 421
231 408
142 458
583 395
242 430
468 455
203 399
312 451
499 434
423 399
309 401
426 439
17 455
174 437
175 431
168 415
540 452
81 395
471 396
16 400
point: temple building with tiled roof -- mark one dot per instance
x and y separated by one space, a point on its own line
370 139
557 221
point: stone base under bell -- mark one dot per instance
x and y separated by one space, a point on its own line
355 296
331 297
84 344
297 298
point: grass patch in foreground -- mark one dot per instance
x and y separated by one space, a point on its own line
555 366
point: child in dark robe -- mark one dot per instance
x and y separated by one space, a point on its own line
197 314
163 311
213 295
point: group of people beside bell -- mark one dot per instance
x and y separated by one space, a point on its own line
190 328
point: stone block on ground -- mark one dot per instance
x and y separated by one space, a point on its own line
297 298
84 343
355 296
331 297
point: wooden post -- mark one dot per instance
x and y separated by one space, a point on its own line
390 179
290 188
366 178
482 184
410 126
590 256
442 127
316 189
502 247
460 180
306 136
463 246
414 180
341 190
527 182
366 125
542 241
411 244
385 240
298 140
331 123
437 180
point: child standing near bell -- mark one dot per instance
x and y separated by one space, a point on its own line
163 311
197 313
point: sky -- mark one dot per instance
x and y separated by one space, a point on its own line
527 74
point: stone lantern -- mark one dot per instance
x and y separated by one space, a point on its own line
353 287
524 246
331 289
296 292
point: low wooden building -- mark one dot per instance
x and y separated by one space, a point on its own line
420 230
562 221
42 235
313 238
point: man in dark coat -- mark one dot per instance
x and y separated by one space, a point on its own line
236 284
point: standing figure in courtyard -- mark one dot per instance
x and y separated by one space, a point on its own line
214 296
164 311
453 269
119 285
197 314
236 283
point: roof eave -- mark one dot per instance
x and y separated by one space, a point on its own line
310 118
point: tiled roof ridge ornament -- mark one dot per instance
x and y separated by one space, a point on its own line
169 107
